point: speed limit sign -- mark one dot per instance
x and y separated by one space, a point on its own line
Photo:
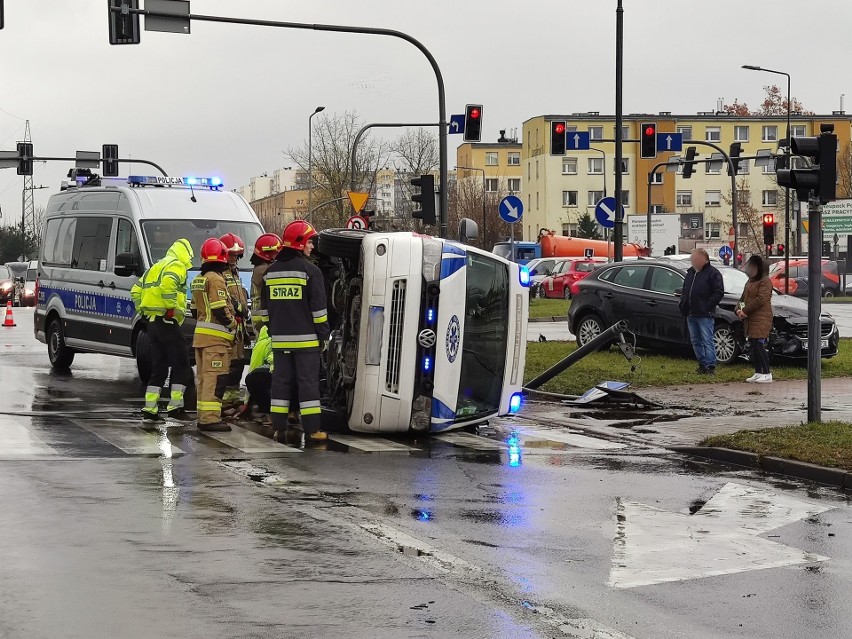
356 222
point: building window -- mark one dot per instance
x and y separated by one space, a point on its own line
596 166
514 159
492 185
770 198
536 169
798 131
536 201
594 197
770 133
744 167
596 133
712 198
529 171
569 166
769 168
514 185
686 132
569 230
657 209
713 134
569 198
625 166
712 168
713 230
740 134
625 198
491 158
656 178
684 198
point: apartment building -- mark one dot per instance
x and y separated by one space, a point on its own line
497 165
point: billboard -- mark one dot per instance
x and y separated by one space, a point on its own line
665 231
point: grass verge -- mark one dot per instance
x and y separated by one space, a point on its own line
655 369
548 308
826 444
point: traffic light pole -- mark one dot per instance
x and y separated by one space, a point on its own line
618 235
814 310
124 161
443 128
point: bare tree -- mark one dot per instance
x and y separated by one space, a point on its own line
415 152
774 103
333 138
467 199
749 216
844 172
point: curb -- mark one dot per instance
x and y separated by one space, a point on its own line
552 318
775 465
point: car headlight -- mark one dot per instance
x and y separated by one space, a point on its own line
6 286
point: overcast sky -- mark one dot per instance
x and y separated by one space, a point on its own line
227 100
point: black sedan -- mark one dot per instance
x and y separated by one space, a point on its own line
646 294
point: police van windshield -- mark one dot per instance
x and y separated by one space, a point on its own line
161 234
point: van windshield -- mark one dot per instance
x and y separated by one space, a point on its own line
161 234
486 329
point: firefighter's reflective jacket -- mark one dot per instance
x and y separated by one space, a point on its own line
215 322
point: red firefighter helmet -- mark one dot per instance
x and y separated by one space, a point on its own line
214 250
297 234
233 243
267 246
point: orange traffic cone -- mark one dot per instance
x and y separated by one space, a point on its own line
9 321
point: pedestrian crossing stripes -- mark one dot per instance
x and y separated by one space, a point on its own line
567 437
248 442
16 440
469 440
368 444
130 439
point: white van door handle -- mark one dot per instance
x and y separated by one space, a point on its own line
101 284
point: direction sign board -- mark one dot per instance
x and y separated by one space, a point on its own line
605 212
836 217
577 141
457 124
357 222
669 142
511 209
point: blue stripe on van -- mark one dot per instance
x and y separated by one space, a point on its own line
95 304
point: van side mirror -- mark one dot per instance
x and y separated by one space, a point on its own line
468 230
678 292
126 264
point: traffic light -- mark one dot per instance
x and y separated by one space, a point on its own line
110 157
735 153
557 138
649 140
123 25
689 162
25 158
819 178
426 199
1 14
780 250
473 123
768 229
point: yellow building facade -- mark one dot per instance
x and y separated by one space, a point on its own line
498 163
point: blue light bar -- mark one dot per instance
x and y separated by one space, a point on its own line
162 180
430 315
515 403
427 364
524 275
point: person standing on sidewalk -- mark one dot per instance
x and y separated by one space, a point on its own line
703 289
755 309
236 249
215 327
160 296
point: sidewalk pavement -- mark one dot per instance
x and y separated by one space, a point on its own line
696 411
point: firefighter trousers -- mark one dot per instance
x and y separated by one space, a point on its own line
212 363
302 371
168 351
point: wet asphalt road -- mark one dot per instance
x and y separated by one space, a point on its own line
521 530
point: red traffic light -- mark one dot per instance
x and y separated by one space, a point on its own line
650 130
768 219
559 128
474 113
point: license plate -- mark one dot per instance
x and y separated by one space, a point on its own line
823 345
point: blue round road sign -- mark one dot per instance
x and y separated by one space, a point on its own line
605 212
511 209
726 252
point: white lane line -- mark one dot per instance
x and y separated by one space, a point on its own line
469 440
129 438
572 439
17 440
367 444
247 441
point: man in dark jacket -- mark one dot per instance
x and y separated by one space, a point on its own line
702 292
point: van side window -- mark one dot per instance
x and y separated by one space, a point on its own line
58 240
126 240
91 243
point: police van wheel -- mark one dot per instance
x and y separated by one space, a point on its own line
143 357
61 356
345 243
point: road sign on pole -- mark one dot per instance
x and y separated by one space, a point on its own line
357 222
511 209
669 142
577 141
457 124
605 212
725 252
359 200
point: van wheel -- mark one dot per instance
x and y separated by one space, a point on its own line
61 356
143 357
344 243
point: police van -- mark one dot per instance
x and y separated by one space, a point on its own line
427 334
99 237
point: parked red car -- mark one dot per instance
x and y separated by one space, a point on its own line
831 283
558 283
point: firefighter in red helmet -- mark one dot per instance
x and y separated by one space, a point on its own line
236 249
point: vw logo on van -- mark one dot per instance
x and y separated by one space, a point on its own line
427 338
453 338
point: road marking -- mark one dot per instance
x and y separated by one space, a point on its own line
655 546
17 440
469 440
572 439
368 444
247 441
129 438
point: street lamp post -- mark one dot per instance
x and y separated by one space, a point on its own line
484 221
319 109
606 230
787 152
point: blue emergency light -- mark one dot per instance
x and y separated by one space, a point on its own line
524 276
212 183
515 402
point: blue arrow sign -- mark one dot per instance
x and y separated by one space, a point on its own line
511 209
669 142
726 252
456 124
605 212
577 141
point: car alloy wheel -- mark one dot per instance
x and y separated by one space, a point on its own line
828 293
588 330
725 344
